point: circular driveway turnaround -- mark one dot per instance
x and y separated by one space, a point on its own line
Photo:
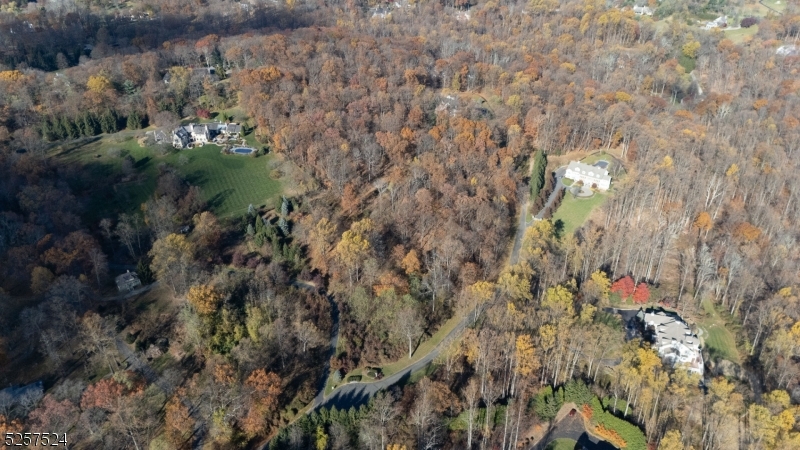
571 427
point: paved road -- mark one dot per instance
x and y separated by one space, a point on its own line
559 174
355 394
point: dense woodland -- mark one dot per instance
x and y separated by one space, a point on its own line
416 132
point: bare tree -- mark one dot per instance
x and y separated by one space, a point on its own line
98 337
472 396
409 326
99 263
308 334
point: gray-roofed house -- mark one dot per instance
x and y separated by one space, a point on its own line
593 176
674 340
186 135
128 281
193 133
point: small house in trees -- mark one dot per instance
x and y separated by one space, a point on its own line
593 176
719 22
642 11
128 281
674 340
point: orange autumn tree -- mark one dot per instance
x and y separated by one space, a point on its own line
624 287
102 394
264 388
641 294
178 423
204 298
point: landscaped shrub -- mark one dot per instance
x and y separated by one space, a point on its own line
353 378
748 22
624 287
547 402
642 293
577 392
619 432
538 173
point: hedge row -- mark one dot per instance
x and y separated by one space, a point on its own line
618 432
538 173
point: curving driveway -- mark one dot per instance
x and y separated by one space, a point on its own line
355 394
572 427
559 174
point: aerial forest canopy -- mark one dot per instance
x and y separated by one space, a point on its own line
401 152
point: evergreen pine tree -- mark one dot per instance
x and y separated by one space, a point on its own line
134 121
259 223
128 87
46 129
70 130
57 129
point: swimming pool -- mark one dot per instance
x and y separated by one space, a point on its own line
243 150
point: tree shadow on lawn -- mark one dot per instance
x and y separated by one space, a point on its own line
558 228
77 144
142 163
218 199
196 178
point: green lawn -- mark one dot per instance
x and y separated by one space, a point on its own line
717 338
740 35
562 444
229 183
573 212
778 5
594 157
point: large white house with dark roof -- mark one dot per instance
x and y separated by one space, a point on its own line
674 340
201 133
592 176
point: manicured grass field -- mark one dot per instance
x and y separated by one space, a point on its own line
777 5
562 444
718 339
742 34
229 183
573 212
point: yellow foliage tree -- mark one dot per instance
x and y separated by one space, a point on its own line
691 47
703 221
526 363
602 282
11 75
171 258
98 84
671 441
411 262
559 300
354 247
204 298
515 282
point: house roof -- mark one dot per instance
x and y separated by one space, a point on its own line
127 277
586 169
234 128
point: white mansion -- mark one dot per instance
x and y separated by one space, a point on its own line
592 176
198 134
673 339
